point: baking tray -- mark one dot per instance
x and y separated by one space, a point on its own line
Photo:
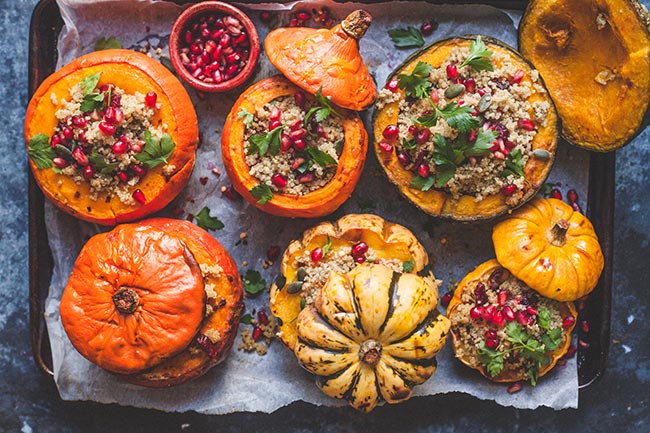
46 24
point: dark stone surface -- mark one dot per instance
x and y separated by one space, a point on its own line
29 400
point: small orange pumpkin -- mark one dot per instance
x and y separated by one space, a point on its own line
551 248
326 59
132 72
317 203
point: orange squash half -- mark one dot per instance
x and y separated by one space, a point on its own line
132 72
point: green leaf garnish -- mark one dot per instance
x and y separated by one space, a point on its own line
406 38
98 161
479 56
422 183
409 144
253 282
207 222
321 158
89 83
321 111
262 192
327 246
303 304
107 44
491 359
156 151
246 115
455 116
483 144
544 318
246 319
416 84
40 151
265 142
305 166
408 266
514 165
91 102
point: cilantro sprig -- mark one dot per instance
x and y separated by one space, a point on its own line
207 222
408 266
406 38
40 151
457 117
319 157
92 99
265 142
156 152
514 165
107 43
262 192
322 110
416 84
246 115
253 282
479 56
98 161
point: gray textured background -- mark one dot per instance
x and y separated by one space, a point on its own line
29 401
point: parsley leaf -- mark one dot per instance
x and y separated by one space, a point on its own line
207 222
323 159
409 144
483 144
253 282
422 183
479 56
98 161
455 116
406 38
322 110
491 359
91 102
262 192
106 44
156 151
408 266
326 248
416 83
40 151
246 115
544 318
265 141
89 83
514 165
246 319
552 339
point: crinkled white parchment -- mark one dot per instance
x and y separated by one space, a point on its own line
245 381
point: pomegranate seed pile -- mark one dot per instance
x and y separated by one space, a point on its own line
215 48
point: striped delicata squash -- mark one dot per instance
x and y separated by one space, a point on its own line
372 335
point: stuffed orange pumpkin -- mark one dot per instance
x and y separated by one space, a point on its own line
326 59
292 154
551 248
111 136
158 301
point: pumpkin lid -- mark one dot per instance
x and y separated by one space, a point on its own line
326 59
135 297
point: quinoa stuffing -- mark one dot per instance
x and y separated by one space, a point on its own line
466 127
504 326
293 144
259 337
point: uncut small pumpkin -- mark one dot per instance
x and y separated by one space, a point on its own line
372 335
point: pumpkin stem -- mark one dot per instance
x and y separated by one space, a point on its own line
126 300
370 352
558 233
356 24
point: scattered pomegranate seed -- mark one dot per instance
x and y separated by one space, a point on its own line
138 196
316 254
56 139
526 124
297 163
509 189
275 114
273 253
502 297
303 16
106 128
391 132
531 311
206 345
360 259
285 142
67 134
262 318
274 124
490 335
452 71
488 313
60 162
517 77
470 85
471 136
299 144
392 85
122 176
571 351
403 158
427 28
298 133
120 147
385 147
265 16
568 322
359 249
583 344
279 180
150 99
576 207
230 193
423 170
556 193
508 314
257 333
521 318
79 156
306 178
300 99
585 326
79 121
572 196
498 318
475 313
446 298
479 294
515 388
491 344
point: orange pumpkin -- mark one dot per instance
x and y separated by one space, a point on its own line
326 58
551 248
317 203
132 72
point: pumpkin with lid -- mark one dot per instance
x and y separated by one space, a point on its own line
465 129
372 335
111 136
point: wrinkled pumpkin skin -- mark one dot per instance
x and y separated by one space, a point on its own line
482 273
388 239
132 72
564 42
227 308
564 267
372 335
437 202
314 204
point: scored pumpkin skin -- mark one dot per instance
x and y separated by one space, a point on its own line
438 202
314 204
389 240
372 334
551 248
132 72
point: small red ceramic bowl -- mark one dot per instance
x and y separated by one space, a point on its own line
214 46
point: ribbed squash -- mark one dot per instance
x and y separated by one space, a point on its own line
551 248
132 72
491 273
388 241
595 58
437 201
317 203
372 335
326 59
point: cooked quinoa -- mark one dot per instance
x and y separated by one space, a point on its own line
292 170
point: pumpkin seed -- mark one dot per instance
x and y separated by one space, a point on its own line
484 103
280 281
62 151
302 273
294 287
454 90
542 154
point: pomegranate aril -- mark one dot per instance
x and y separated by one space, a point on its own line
556 193
230 193
138 196
576 207
427 28
423 135
306 178
446 298
498 318
571 351
232 70
300 99
488 312
518 76
514 388
585 326
299 144
67 134
316 254
285 142
568 322
508 314
296 125
423 170
79 121
572 196
502 297
392 85
475 313
479 294
360 259
106 128
391 132
298 133
279 180
452 71
583 344
262 318
509 190
413 130
385 147
491 335
470 85
274 124
275 114
224 41
79 156
526 124
56 139
60 162
257 333
403 158
531 311
122 176
491 344
304 16
120 148
472 135
206 345
296 163
359 249
521 318
139 170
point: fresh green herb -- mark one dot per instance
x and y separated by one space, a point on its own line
207 222
89 83
514 165
246 115
265 141
455 116
544 318
552 339
409 144
92 102
253 282
321 158
303 304
479 56
40 151
406 38
262 192
416 84
422 183
156 151
547 188
322 110
302 168
446 158
326 248
246 319
408 266
529 348
98 161
107 44
483 144
491 359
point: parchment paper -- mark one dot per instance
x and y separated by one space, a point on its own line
246 381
